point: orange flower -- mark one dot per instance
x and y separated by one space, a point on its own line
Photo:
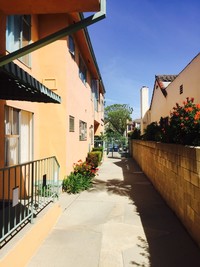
197 116
198 106
188 109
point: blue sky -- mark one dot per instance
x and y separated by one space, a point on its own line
142 38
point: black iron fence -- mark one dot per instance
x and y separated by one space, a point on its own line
25 189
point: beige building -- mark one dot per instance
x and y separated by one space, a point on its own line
171 89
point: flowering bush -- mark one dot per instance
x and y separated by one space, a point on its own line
184 123
84 168
181 127
80 179
94 158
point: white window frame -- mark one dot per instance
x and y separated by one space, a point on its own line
18 136
18 34
82 131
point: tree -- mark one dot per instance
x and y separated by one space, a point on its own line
116 117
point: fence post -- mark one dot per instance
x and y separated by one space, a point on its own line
32 191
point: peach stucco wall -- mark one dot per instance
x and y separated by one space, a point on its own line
54 63
57 63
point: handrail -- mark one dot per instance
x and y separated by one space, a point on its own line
28 162
25 189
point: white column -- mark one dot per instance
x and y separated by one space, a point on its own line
144 102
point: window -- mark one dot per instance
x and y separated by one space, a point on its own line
102 106
71 123
11 136
18 128
82 131
82 70
95 92
71 45
18 34
181 89
91 134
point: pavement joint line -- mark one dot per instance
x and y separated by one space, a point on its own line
71 203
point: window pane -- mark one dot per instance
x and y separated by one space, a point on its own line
26 36
82 70
13 33
82 131
11 150
11 136
15 124
8 121
26 140
71 46
71 124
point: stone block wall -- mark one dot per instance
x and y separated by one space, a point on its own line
174 170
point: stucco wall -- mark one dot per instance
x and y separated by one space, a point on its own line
174 170
190 79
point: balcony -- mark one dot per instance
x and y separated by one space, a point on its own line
26 189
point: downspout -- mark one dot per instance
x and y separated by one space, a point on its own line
57 35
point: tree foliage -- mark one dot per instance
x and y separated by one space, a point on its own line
116 117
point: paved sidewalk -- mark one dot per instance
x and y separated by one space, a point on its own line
120 222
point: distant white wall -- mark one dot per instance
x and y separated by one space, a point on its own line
144 103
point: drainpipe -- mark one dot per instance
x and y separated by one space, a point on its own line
57 35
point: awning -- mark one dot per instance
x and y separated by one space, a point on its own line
17 84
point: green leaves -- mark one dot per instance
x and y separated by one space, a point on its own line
116 117
185 123
80 179
76 182
182 127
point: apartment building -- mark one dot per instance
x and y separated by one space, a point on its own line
51 100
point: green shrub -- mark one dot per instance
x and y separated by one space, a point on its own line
94 158
76 182
185 123
182 127
153 132
84 168
99 148
135 134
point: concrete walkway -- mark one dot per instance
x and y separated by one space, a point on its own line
121 221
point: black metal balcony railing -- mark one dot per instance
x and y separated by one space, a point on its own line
25 189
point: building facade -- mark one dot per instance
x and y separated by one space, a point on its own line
171 89
68 69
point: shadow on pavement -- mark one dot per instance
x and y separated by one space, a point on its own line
168 243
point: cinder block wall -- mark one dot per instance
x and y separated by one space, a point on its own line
174 170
